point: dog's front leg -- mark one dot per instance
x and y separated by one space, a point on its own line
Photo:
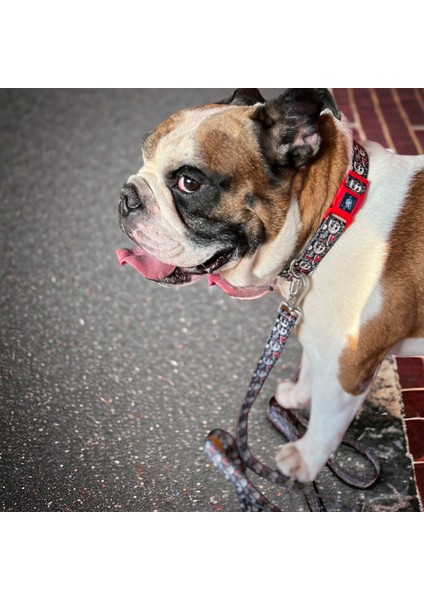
332 410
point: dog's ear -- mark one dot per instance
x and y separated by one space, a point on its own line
244 97
289 125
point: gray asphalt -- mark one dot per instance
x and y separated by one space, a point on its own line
109 383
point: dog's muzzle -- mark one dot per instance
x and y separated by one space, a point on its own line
134 203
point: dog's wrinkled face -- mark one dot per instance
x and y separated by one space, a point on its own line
214 183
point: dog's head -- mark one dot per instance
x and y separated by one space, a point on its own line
214 185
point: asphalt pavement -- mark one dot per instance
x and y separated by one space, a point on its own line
110 383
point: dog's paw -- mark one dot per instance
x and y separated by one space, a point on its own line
291 463
291 395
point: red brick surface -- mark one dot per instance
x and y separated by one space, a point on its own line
392 117
411 378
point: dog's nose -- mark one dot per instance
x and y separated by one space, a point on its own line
130 199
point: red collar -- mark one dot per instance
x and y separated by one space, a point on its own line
347 201
352 191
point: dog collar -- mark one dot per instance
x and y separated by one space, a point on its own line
347 201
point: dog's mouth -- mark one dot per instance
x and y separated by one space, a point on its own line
183 275
152 268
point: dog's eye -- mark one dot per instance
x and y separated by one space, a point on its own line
187 184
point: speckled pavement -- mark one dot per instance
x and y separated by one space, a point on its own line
109 383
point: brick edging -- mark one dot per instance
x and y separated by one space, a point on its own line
411 379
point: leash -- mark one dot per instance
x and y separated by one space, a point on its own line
232 457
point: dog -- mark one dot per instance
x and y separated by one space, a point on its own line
234 190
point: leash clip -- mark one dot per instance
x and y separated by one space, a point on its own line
299 286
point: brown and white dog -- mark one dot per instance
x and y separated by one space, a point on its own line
237 188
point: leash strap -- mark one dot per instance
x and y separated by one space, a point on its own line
233 456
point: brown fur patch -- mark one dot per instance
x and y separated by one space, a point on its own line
229 144
402 313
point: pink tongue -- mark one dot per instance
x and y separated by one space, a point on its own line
148 266
151 268
243 293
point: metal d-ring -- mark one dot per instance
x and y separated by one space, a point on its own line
299 285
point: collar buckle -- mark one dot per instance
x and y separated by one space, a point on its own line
349 198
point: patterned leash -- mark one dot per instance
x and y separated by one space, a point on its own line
232 457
